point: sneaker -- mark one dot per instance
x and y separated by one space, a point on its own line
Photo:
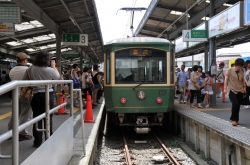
24 137
207 106
184 102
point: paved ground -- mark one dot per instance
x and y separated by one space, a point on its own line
223 111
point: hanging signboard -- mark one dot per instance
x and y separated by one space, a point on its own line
247 12
7 28
10 12
180 45
199 27
75 39
226 21
194 35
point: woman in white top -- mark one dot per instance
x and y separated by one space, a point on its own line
195 77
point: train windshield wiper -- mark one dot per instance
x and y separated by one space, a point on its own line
136 86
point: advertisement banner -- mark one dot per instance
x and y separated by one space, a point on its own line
226 21
247 12
7 28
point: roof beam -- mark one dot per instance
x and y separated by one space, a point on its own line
38 14
8 51
25 33
49 49
197 17
232 36
79 21
34 43
164 20
170 8
145 34
150 28
56 3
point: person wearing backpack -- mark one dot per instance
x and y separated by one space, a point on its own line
24 104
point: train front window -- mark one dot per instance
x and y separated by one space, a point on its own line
140 66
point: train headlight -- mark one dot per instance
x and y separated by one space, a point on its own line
141 95
123 100
159 100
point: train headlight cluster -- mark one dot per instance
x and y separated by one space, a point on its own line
141 95
159 100
123 100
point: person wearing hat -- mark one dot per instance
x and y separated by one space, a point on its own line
25 108
220 78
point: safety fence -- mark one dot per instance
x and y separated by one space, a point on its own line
16 128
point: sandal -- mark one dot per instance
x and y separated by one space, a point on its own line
24 137
200 107
191 106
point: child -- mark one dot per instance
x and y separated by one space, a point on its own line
208 87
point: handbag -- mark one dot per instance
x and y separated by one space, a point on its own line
245 100
27 92
197 86
75 83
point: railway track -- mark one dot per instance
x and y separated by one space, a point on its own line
160 155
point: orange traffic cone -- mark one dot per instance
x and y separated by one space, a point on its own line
61 111
89 114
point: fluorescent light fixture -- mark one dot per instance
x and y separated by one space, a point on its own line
226 4
207 1
205 18
30 50
176 12
14 43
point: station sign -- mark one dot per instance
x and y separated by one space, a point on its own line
7 28
86 64
75 39
10 12
194 35
226 21
75 55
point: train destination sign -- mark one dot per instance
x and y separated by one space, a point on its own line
194 35
140 52
75 39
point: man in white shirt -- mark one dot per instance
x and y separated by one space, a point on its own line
24 105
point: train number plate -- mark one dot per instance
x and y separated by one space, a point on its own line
162 92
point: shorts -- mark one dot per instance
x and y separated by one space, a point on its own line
182 89
96 86
209 92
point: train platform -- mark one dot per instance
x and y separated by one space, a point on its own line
223 111
26 148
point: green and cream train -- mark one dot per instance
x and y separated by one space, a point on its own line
139 82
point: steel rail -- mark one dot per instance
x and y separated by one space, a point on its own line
128 158
171 157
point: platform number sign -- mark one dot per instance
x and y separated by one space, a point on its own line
194 35
75 39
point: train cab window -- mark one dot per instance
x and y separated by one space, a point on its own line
108 67
147 68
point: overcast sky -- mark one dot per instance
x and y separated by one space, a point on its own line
117 24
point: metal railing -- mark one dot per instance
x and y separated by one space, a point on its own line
14 133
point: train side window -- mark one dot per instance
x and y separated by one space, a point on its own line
108 67
172 62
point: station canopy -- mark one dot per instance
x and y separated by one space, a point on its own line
43 20
162 19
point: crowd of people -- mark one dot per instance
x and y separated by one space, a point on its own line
44 68
234 82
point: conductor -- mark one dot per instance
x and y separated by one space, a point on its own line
124 72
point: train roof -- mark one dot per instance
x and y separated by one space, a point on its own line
139 40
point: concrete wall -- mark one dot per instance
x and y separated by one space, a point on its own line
216 146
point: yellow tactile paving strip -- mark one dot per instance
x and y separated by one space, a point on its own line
6 115
204 109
